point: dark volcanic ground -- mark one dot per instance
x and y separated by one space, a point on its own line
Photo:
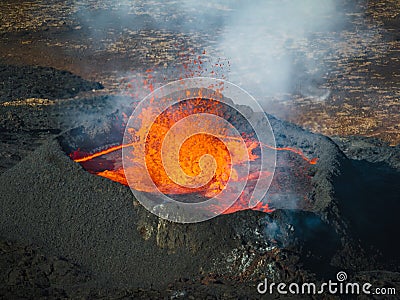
55 76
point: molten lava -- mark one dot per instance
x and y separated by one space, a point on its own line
185 161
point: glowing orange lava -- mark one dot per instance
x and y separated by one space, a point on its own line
196 158
183 161
197 162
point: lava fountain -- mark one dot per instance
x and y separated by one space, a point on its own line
188 140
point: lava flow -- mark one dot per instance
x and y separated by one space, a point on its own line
201 163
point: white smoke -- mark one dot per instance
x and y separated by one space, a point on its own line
266 40
274 47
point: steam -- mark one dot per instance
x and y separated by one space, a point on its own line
274 47
269 40
289 227
271 48
270 44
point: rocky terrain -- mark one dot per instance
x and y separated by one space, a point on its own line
62 69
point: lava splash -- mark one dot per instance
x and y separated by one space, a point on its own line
187 161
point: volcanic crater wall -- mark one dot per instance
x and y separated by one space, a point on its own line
49 200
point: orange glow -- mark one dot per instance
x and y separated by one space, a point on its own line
311 161
204 161
186 161
100 153
194 162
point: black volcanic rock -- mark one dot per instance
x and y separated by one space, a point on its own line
22 82
94 223
49 200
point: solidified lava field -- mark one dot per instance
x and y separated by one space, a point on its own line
69 70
